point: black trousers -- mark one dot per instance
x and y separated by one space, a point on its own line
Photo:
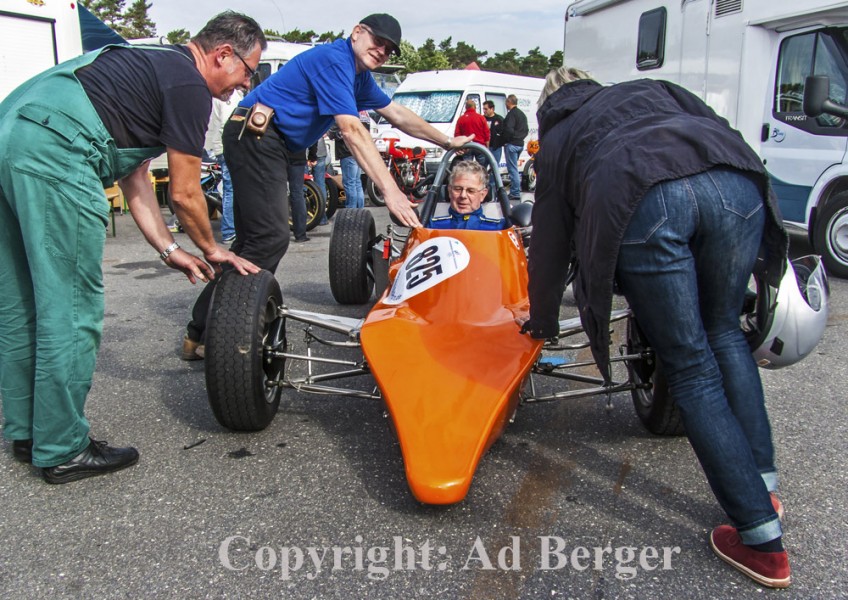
260 206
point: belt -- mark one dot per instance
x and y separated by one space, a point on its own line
240 113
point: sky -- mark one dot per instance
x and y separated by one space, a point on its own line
493 26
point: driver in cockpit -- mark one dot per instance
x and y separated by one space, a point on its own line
467 188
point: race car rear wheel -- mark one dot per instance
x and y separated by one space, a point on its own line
353 233
242 329
654 405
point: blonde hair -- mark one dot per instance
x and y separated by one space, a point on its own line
558 78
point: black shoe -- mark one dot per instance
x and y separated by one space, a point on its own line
97 459
302 239
22 450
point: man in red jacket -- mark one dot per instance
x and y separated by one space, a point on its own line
473 122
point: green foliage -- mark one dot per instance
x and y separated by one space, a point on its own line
132 22
556 60
178 36
109 11
136 22
504 62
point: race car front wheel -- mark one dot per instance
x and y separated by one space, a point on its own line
654 405
243 329
350 241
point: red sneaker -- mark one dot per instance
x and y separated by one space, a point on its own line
778 505
770 569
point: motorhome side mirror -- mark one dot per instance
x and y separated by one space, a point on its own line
816 102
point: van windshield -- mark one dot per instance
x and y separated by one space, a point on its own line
433 107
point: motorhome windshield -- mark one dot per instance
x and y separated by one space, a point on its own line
433 107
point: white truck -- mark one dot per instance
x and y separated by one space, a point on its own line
35 35
747 59
439 98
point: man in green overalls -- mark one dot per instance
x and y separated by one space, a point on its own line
64 135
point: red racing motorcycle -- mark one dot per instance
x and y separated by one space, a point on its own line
407 168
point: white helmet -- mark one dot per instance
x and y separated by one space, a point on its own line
784 325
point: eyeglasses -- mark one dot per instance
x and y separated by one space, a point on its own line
458 189
380 42
250 71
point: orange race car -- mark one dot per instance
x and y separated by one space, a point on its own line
441 343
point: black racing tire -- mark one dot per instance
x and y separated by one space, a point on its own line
350 243
333 193
243 324
654 405
830 235
373 192
528 177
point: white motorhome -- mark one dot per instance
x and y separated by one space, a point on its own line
35 36
747 59
439 98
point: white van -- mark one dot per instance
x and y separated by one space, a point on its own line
748 60
439 98
276 55
35 36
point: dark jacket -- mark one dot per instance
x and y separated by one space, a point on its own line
495 131
515 127
602 149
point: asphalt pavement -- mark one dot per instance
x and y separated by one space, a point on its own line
576 500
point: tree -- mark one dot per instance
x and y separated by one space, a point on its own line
555 61
465 54
409 58
504 62
535 64
178 36
136 22
108 11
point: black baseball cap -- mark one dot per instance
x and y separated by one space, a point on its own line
386 27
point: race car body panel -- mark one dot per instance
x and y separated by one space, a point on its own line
446 352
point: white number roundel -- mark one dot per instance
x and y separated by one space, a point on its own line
429 264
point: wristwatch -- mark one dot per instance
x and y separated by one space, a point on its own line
448 142
167 251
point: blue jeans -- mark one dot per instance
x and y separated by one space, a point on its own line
684 266
497 153
352 183
298 202
228 228
512 154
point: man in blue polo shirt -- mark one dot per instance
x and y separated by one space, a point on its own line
328 84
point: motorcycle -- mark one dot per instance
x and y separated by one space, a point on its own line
210 179
407 168
315 204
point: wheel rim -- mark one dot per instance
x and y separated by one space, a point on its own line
273 340
837 236
311 204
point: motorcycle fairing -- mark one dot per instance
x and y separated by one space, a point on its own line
449 360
